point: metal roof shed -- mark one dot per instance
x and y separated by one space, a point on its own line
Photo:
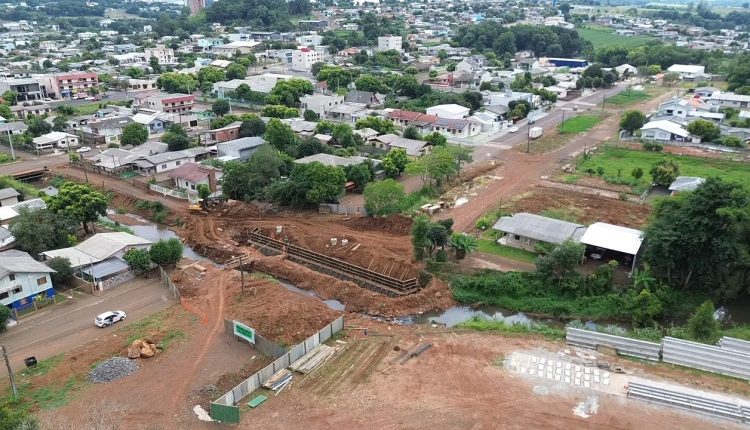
539 228
105 269
613 237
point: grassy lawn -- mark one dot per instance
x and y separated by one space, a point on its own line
487 244
612 159
91 108
602 37
580 123
628 97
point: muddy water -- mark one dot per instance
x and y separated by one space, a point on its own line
333 304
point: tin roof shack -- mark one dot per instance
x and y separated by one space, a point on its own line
526 231
612 242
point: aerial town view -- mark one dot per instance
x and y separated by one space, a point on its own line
374 214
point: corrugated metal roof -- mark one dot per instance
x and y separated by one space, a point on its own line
613 237
7 193
20 262
105 268
540 228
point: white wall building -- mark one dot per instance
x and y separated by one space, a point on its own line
303 59
387 43
163 54
56 139
450 111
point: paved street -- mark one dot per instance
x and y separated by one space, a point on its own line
63 327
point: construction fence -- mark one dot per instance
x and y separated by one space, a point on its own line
169 192
225 409
168 282
731 357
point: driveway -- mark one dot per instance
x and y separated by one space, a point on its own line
68 325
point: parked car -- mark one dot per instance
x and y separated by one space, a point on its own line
83 149
108 318
513 129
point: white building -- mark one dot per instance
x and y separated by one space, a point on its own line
163 54
664 131
56 139
688 72
319 103
450 111
303 59
387 43
310 40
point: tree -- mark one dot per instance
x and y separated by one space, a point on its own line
166 252
707 130
40 230
665 172
221 107
10 97
360 174
176 138
439 165
8 415
252 127
153 62
632 120
208 76
173 82
394 163
372 84
281 136
436 139
670 78
62 270
637 173
343 135
310 115
59 123
644 308
701 239
702 326
138 259
381 125
419 239
336 77
384 197
79 202
309 185
463 244
287 92
236 71
134 134
560 264
411 133
203 191
5 112
279 111
37 126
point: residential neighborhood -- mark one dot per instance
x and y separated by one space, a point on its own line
300 213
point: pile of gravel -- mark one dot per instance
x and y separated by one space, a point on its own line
112 369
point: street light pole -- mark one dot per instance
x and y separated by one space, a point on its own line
10 142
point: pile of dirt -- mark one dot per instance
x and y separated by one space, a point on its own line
436 295
280 315
396 224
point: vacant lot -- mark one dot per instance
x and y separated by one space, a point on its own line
580 123
613 159
602 37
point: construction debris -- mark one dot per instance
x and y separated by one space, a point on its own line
142 348
279 380
416 352
313 359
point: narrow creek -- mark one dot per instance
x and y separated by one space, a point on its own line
449 317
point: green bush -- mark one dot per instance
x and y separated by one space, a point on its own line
652 146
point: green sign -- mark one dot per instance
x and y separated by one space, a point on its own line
244 332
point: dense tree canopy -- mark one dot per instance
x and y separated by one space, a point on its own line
260 14
42 230
544 41
79 202
701 239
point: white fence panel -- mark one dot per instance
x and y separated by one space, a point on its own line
624 345
706 357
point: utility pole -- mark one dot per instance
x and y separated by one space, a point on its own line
242 276
563 120
10 142
10 371
604 98
528 138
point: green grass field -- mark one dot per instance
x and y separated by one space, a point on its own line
612 159
580 123
602 37
487 244
628 97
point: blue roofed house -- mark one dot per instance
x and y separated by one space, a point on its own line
22 278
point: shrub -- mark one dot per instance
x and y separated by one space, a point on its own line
652 146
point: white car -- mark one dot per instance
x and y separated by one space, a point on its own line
83 149
108 318
513 129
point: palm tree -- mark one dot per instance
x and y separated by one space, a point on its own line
463 244
642 278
